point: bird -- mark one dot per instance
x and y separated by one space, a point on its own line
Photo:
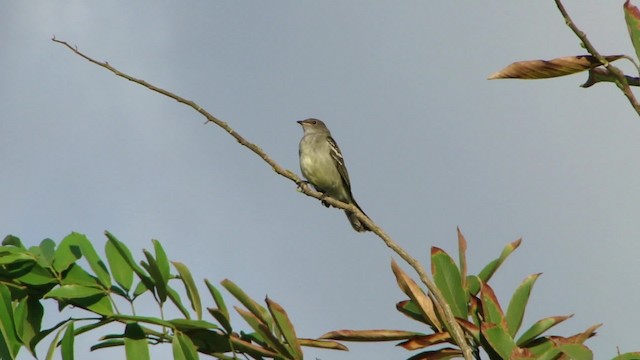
322 164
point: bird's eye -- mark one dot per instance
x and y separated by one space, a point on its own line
313 122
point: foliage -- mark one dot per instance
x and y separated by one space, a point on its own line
480 314
28 277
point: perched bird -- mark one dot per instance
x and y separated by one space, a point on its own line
322 165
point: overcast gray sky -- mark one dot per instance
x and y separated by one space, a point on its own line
430 145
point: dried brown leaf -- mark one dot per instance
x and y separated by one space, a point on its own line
544 69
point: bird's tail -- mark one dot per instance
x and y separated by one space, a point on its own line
357 225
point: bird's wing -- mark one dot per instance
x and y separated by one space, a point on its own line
336 154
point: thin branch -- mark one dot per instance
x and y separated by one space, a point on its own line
621 81
452 325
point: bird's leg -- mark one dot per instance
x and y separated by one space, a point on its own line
302 183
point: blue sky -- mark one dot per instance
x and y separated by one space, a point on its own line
430 145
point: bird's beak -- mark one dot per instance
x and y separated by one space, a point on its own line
300 122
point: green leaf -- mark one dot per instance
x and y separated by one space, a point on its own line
493 313
68 252
576 351
161 259
9 344
37 276
473 284
187 324
538 328
159 280
260 312
518 304
48 252
11 240
76 275
68 292
72 248
54 343
28 317
285 326
120 269
221 313
143 319
126 255
66 347
135 343
264 332
183 348
499 340
107 344
628 356
632 17
488 271
175 299
447 278
190 286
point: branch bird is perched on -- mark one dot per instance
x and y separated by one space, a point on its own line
322 165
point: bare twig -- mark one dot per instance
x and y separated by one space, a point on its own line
619 76
435 294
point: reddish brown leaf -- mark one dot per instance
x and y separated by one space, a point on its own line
543 69
323 344
415 293
370 335
442 354
419 342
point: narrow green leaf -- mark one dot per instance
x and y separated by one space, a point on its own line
285 326
11 345
141 288
632 17
187 324
66 346
107 344
183 347
223 320
518 304
473 284
175 299
493 313
499 340
260 312
221 313
120 268
539 328
264 332
447 277
488 271
54 343
143 319
89 327
135 343
217 297
190 286
160 281
161 259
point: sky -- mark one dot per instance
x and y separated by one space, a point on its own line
430 145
